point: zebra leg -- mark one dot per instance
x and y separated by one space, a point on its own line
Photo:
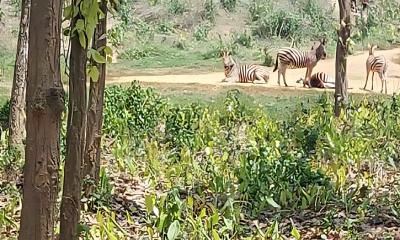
373 75
366 80
306 79
383 80
279 76
284 75
259 79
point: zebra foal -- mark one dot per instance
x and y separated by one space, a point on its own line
242 73
319 80
293 58
376 64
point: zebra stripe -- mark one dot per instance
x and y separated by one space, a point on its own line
319 80
376 64
244 73
294 58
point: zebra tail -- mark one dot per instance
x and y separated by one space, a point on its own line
276 63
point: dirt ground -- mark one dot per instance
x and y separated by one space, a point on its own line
212 81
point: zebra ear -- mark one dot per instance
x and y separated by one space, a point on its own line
323 41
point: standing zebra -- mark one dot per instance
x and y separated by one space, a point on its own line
235 72
319 80
376 64
292 58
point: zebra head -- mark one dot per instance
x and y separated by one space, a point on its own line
372 48
229 63
320 49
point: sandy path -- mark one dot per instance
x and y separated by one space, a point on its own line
356 75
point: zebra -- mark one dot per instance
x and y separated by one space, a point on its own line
293 58
235 72
376 64
319 80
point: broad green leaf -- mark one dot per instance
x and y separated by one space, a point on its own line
94 73
82 39
295 233
149 202
173 230
98 58
68 11
107 50
215 235
161 222
271 202
214 218
109 59
80 24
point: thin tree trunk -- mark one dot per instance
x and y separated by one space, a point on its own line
45 103
341 56
71 197
17 103
91 166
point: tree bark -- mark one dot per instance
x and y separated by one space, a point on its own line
341 56
71 197
17 102
91 166
44 106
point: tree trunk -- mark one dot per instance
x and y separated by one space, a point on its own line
17 103
341 56
71 198
91 166
45 103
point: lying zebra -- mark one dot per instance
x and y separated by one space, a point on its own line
293 58
235 72
319 80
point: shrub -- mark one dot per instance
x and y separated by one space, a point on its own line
201 32
243 39
139 52
132 112
177 7
210 9
229 5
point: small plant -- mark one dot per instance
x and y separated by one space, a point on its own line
229 5
243 39
201 32
138 53
177 7
181 43
165 27
210 9
269 60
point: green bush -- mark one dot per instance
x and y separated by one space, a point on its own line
177 7
243 39
201 32
139 52
132 112
229 5
210 10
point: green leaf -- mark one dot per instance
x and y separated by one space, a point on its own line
295 233
82 39
68 12
149 202
215 235
173 230
107 50
109 59
271 202
98 58
94 74
80 24
214 218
